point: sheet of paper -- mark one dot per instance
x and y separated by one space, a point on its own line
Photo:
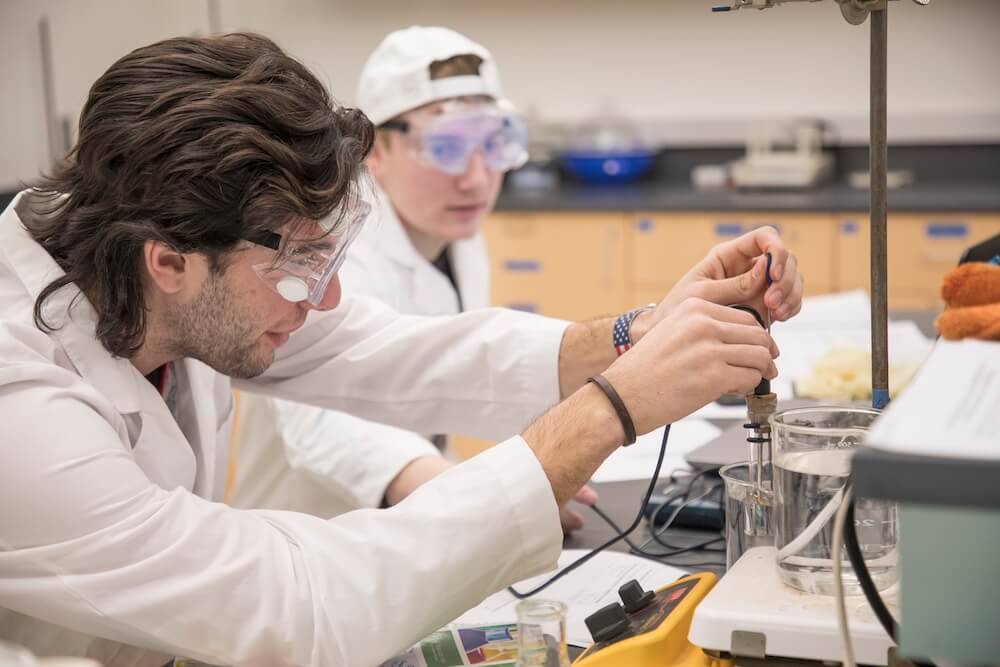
841 310
801 348
951 408
639 460
585 590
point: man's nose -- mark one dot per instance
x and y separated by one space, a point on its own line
477 173
331 298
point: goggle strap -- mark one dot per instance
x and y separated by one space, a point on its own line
398 125
267 239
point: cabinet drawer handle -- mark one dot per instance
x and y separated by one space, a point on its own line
525 307
728 229
946 230
522 265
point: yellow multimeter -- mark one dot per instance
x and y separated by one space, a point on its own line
649 628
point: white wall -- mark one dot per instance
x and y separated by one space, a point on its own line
86 37
688 75
694 75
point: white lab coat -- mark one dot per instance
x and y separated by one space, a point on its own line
113 547
303 458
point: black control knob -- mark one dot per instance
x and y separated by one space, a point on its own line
607 622
633 597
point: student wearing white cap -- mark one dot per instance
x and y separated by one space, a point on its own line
445 136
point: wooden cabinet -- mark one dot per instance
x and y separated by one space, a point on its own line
568 265
582 265
663 246
921 250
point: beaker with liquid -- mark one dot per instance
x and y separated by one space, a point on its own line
749 508
541 633
812 449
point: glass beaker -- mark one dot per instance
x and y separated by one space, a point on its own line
812 449
749 508
541 634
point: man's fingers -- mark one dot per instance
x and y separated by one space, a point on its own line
742 380
746 334
570 519
753 357
781 291
737 289
736 255
586 496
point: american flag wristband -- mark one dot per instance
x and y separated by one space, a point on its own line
621 336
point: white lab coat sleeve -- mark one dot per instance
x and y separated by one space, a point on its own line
486 373
91 544
359 457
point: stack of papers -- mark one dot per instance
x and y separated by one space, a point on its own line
950 409
486 636
843 320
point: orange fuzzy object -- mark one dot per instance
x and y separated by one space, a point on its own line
981 322
972 284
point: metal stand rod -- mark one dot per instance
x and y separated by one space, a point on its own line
877 162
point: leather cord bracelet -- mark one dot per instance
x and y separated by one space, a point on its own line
616 402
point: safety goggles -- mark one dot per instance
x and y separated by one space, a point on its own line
302 270
447 141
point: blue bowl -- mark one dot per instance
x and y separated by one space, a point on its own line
605 168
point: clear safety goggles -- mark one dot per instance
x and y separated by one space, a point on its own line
447 141
302 270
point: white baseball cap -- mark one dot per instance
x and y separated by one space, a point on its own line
397 78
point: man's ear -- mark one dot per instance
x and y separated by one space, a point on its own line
168 269
377 156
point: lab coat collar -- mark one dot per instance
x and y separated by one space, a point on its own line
467 256
116 378
394 241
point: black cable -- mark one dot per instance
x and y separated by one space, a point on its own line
657 533
864 578
700 546
674 550
860 567
691 481
614 526
621 535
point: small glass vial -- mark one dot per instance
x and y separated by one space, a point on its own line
541 634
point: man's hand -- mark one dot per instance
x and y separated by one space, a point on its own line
572 520
735 272
698 352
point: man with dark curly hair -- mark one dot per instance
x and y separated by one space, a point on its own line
200 218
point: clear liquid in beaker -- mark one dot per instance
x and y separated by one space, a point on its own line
809 486
749 509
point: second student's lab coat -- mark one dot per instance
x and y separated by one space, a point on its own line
300 457
113 544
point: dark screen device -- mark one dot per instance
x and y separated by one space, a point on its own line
987 251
